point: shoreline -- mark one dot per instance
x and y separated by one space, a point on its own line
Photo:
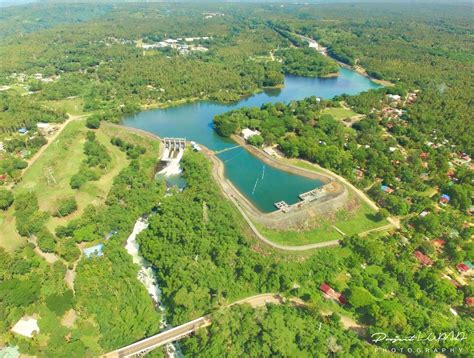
182 101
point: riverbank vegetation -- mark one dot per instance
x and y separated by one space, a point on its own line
307 62
275 331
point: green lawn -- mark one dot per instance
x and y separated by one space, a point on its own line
9 238
324 232
340 113
349 223
152 146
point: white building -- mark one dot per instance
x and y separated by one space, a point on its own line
27 326
247 133
43 128
393 97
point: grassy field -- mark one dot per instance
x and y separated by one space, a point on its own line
64 157
73 106
340 113
152 146
349 223
9 238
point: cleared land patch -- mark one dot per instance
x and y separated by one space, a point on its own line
9 238
73 106
340 113
64 157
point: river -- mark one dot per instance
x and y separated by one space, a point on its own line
262 185
146 275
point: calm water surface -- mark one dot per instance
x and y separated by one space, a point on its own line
263 185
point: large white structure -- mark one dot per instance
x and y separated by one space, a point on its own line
247 133
27 326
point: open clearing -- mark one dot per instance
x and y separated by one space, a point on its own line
340 113
9 238
72 106
64 157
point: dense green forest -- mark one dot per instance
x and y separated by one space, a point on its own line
275 331
307 62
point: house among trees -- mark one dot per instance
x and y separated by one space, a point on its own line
465 268
438 244
444 199
423 259
332 294
247 133
22 131
386 189
96 250
26 326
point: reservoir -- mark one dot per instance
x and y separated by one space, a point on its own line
263 185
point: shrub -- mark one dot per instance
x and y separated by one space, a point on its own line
59 304
6 199
46 240
65 207
79 179
256 140
93 122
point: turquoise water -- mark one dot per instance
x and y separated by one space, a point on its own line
261 184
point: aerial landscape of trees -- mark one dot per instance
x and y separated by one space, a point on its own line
407 145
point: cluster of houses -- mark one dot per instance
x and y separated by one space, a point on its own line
210 15
41 78
394 111
460 277
184 45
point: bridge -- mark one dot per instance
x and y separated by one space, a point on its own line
148 344
227 149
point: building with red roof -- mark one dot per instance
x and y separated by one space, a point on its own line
332 294
470 301
462 267
424 260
